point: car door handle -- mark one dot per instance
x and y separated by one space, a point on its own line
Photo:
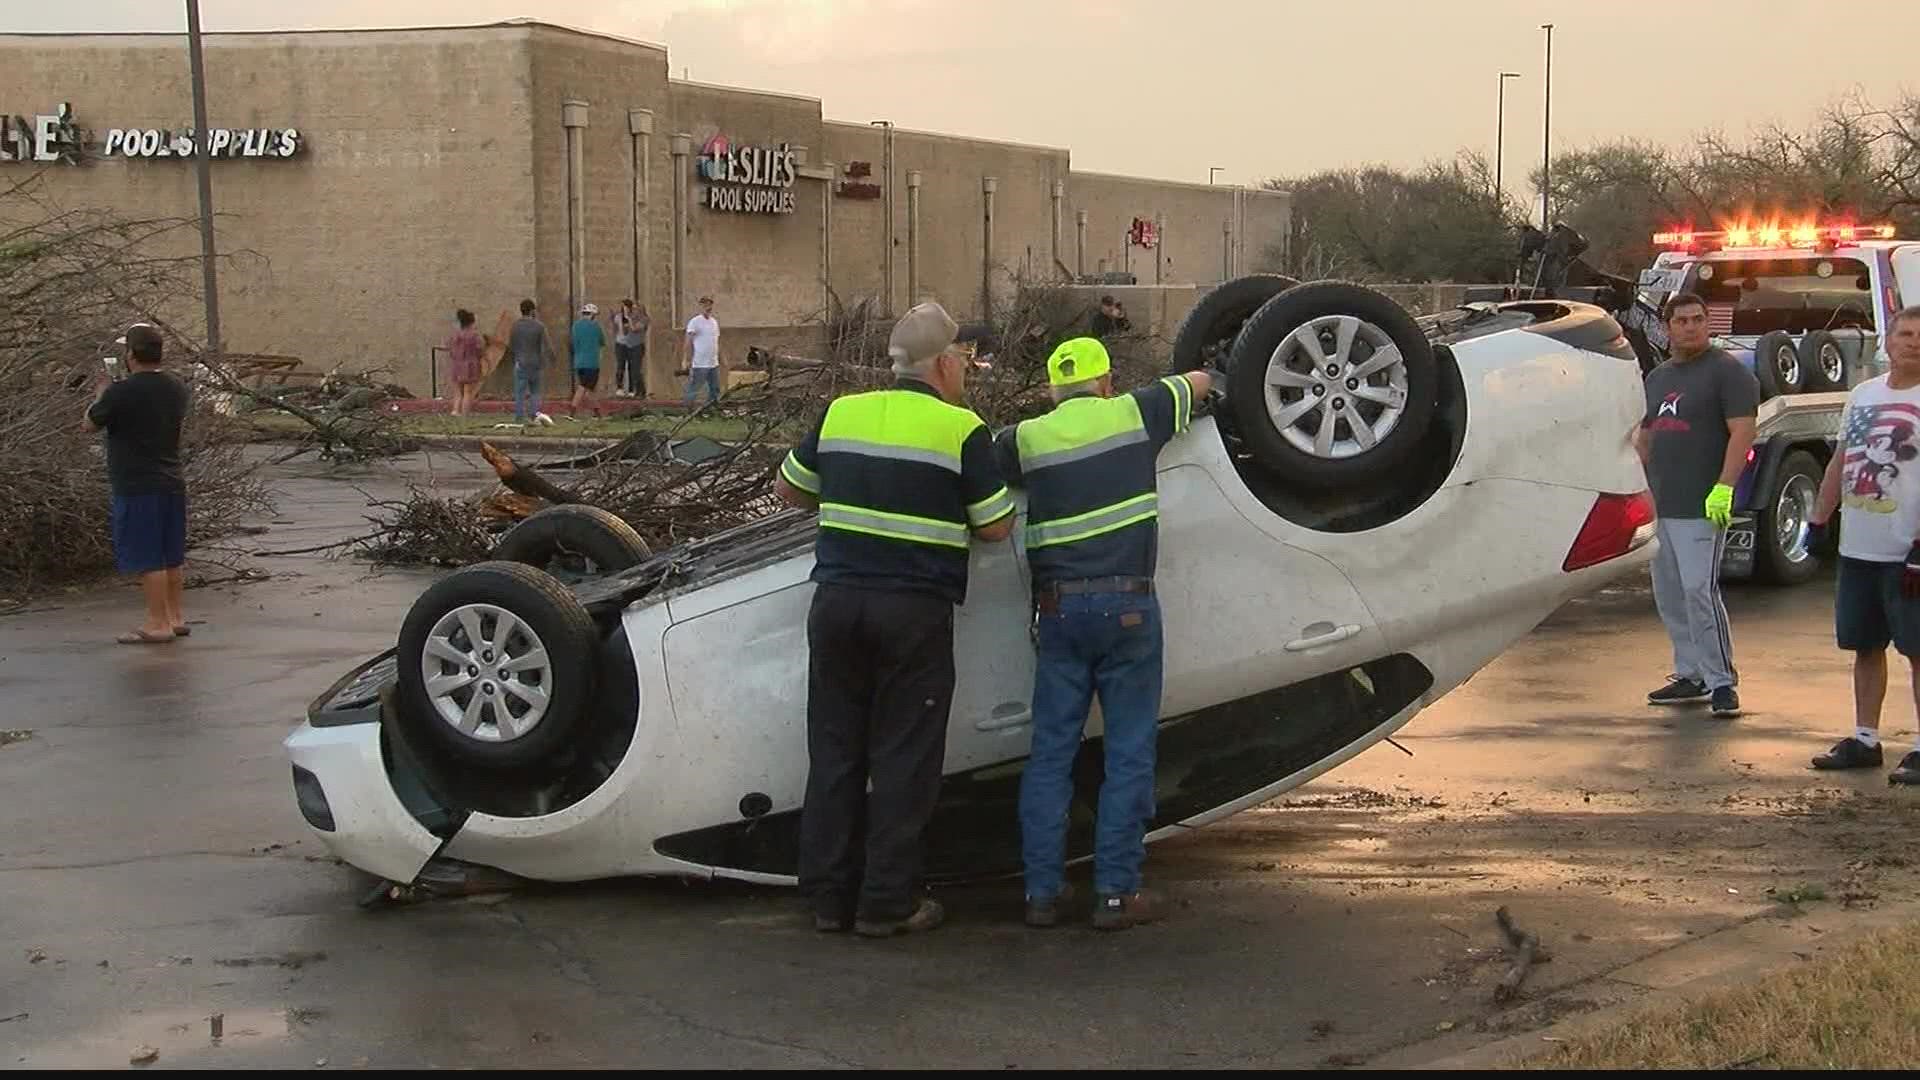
1315 641
1007 714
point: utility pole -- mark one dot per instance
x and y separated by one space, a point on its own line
202 147
1500 133
1546 141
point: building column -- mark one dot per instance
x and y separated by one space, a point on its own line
1080 248
640 131
1159 246
573 116
913 237
682 147
988 185
1059 197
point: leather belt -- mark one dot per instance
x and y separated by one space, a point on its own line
1046 598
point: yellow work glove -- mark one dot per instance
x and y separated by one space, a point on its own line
1720 505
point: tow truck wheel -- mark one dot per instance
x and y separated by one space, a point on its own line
1780 528
1824 363
1777 366
1333 385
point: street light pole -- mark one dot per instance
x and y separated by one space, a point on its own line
1500 133
1546 141
203 146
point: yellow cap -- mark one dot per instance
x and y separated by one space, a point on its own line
1077 360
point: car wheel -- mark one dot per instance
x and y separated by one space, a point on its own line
1776 364
1823 362
573 542
1333 384
1206 335
496 667
1780 528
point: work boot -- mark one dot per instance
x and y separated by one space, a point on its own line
1045 913
927 914
1851 753
1908 771
1679 692
1117 911
1726 702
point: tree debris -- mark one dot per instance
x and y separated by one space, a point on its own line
1526 950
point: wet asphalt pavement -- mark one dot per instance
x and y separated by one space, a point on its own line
154 872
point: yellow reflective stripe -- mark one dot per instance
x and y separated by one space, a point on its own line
1082 452
907 419
1182 401
920 530
991 509
1075 423
948 460
1094 522
799 475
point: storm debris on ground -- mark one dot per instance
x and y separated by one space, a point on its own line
672 486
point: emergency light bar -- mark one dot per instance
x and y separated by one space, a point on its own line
1771 236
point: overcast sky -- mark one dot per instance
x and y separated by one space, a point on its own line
1167 88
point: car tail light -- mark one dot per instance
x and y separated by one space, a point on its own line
1616 525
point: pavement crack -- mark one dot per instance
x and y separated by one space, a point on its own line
579 969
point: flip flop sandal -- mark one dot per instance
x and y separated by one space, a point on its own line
141 637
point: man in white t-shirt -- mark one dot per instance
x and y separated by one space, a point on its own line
703 343
1874 480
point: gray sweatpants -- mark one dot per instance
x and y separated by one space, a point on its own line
1686 589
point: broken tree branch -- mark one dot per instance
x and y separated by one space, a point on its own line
1526 950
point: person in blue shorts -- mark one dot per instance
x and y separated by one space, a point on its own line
142 415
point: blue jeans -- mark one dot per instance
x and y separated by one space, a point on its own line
708 377
526 393
1110 644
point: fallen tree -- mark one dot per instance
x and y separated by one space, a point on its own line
672 488
71 281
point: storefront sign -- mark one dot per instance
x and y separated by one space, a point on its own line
55 137
747 179
856 185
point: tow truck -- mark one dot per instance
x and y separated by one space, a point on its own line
1804 306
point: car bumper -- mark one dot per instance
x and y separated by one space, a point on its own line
341 785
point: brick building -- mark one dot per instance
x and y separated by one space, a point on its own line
368 182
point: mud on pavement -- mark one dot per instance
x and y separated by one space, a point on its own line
155 875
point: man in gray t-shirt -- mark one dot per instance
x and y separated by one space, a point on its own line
530 347
1693 440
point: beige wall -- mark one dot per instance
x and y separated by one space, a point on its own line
952 214
611 76
1194 247
356 251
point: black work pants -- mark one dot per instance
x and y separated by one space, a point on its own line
879 686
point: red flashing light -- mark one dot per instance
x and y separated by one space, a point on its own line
1771 235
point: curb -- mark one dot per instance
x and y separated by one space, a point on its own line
1666 980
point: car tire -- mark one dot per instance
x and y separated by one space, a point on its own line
495 715
1823 362
1207 333
1272 410
571 541
1777 366
1781 554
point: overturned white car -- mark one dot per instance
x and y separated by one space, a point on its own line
1383 505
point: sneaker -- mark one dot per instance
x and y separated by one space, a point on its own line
1117 911
1851 753
927 914
1908 771
1045 913
1678 692
1726 702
